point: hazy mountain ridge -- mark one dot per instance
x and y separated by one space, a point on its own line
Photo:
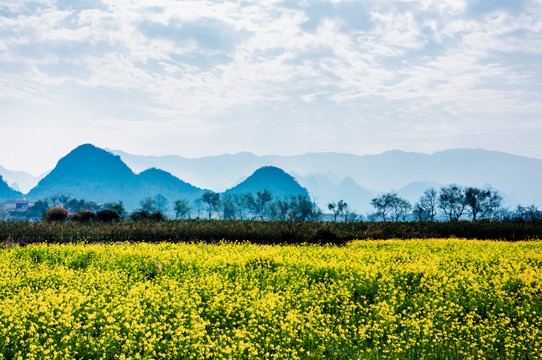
94 174
19 180
517 178
7 193
217 173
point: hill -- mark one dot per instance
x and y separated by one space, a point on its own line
7 193
278 182
19 180
155 181
95 174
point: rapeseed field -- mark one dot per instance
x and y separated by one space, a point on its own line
393 299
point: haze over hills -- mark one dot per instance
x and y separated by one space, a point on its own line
217 173
7 193
19 180
94 174
326 189
517 178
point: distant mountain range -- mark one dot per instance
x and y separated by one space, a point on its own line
95 174
100 175
356 179
20 180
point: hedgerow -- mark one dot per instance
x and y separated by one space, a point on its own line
261 232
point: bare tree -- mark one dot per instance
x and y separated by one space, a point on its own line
240 204
339 210
161 202
482 203
198 208
259 204
426 207
452 201
390 205
302 208
382 205
400 208
283 209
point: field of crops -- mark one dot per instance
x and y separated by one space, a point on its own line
416 299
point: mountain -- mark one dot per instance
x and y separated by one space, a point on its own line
7 193
413 191
212 172
357 197
19 180
278 182
91 173
517 177
324 189
155 181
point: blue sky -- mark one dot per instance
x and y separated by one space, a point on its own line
196 78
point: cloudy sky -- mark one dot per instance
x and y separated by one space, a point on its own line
197 78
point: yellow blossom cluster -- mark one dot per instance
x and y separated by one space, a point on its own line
393 299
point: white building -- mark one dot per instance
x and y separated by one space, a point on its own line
14 209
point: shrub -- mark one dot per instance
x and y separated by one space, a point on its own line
56 214
139 215
142 215
107 215
157 216
84 216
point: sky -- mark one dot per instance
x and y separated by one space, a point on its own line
198 78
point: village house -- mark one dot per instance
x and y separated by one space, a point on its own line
14 209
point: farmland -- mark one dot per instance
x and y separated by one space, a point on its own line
432 299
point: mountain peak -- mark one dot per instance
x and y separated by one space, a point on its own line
95 174
271 178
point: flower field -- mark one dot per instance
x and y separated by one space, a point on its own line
393 299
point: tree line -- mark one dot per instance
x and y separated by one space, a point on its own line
240 206
449 203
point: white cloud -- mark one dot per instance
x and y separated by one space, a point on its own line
428 64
